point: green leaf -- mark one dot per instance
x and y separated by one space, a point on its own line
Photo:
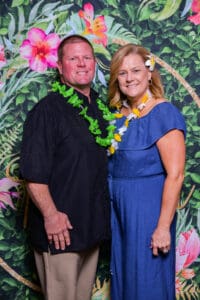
166 50
187 28
20 99
117 31
100 49
21 22
195 177
197 155
25 90
3 31
42 91
10 281
48 8
4 223
195 128
4 246
196 194
11 27
17 3
113 3
41 25
34 11
181 44
145 13
169 9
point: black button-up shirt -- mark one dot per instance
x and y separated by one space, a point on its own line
59 150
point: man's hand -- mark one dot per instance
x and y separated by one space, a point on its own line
57 227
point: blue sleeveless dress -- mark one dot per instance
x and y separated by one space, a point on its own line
136 178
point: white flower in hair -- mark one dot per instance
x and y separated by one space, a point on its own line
150 62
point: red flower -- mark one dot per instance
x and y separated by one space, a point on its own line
196 9
2 57
187 273
96 26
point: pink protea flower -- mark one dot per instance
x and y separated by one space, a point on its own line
196 9
40 49
2 57
96 26
5 195
188 249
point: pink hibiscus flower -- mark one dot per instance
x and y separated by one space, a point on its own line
5 195
188 249
196 9
96 26
40 49
2 57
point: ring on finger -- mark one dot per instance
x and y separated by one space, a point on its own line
165 250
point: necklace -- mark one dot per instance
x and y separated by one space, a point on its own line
73 99
135 113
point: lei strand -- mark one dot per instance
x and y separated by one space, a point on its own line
135 113
73 99
113 138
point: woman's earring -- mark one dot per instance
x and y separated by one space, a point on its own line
150 81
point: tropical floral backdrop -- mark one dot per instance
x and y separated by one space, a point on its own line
30 32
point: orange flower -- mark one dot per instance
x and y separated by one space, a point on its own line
179 286
187 273
96 26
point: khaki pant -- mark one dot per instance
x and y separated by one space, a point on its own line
67 276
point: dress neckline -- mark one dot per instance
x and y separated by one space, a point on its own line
149 113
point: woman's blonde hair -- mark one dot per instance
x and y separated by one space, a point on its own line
115 96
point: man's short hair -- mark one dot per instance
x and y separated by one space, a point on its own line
74 38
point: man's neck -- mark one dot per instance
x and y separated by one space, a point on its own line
85 90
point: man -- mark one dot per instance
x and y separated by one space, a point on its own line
66 173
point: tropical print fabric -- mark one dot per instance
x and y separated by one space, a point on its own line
30 32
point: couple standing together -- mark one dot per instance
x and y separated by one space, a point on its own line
66 139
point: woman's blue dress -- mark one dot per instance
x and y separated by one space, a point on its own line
136 178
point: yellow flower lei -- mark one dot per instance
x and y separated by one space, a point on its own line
136 113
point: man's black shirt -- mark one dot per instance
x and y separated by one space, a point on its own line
59 150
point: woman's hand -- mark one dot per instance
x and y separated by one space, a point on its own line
161 241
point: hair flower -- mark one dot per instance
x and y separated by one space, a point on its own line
150 62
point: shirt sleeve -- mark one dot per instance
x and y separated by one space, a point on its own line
38 145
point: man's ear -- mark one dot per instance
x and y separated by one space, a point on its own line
59 66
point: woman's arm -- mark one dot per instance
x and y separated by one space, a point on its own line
172 151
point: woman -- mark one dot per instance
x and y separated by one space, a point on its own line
146 171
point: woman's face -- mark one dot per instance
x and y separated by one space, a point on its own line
133 77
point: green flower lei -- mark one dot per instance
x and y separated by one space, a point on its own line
72 98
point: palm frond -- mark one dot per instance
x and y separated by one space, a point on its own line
8 141
118 34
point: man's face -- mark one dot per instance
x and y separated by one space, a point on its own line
77 66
